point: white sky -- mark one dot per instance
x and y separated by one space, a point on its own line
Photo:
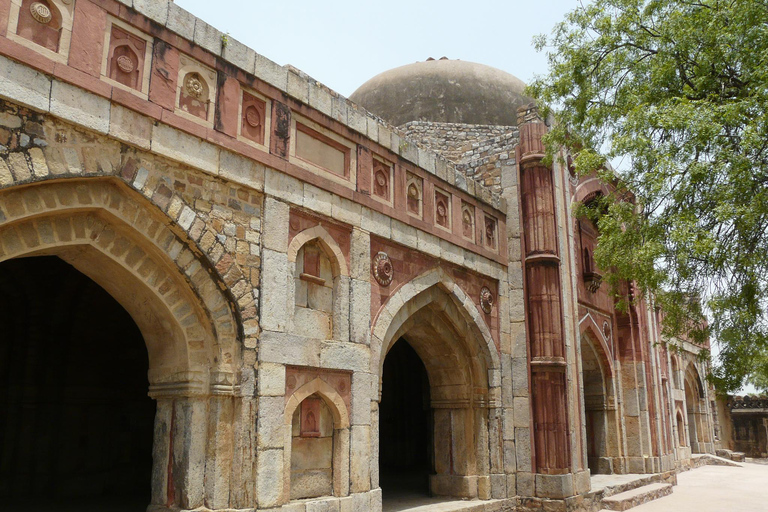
343 43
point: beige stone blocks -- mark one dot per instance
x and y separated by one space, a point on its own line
24 85
269 477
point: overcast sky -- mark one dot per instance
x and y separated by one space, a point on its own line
344 43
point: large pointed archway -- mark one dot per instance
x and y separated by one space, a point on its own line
144 262
442 327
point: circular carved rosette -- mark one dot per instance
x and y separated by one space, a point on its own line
40 12
382 269
125 64
486 300
194 86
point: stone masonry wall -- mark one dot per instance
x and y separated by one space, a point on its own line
480 152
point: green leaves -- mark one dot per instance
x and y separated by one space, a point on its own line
677 92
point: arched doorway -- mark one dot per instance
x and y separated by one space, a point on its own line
599 410
434 318
405 425
109 234
77 427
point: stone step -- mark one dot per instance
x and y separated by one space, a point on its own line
632 498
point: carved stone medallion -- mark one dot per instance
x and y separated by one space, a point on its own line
40 12
125 64
382 269
194 86
252 117
486 300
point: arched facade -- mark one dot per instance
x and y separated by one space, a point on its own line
276 245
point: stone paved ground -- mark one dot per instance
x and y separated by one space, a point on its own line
716 489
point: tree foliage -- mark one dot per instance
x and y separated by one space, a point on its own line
676 93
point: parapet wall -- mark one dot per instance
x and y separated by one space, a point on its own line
211 94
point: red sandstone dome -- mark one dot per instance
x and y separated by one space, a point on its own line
447 91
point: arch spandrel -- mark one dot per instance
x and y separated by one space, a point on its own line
109 233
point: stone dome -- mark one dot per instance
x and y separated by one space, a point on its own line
446 91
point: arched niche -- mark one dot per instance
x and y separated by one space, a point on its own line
320 291
324 451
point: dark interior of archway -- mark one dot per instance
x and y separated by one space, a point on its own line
405 425
76 425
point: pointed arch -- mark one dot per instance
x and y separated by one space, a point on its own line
109 233
328 244
318 386
589 327
411 297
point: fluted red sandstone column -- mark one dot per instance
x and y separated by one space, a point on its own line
549 396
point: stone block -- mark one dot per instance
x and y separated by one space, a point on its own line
24 85
271 72
156 10
271 379
283 186
498 486
360 312
208 37
185 148
360 255
344 356
360 446
345 210
525 484
519 376
275 293
376 223
298 87
317 200
323 505
451 253
403 234
271 428
428 243
356 503
289 349
357 120
523 449
238 54
80 107
269 477
522 412
39 165
130 127
180 21
510 456
375 495
275 233
362 394
320 98
241 170
341 308
554 486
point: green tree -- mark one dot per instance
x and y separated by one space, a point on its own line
676 92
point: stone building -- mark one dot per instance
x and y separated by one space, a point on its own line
226 287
